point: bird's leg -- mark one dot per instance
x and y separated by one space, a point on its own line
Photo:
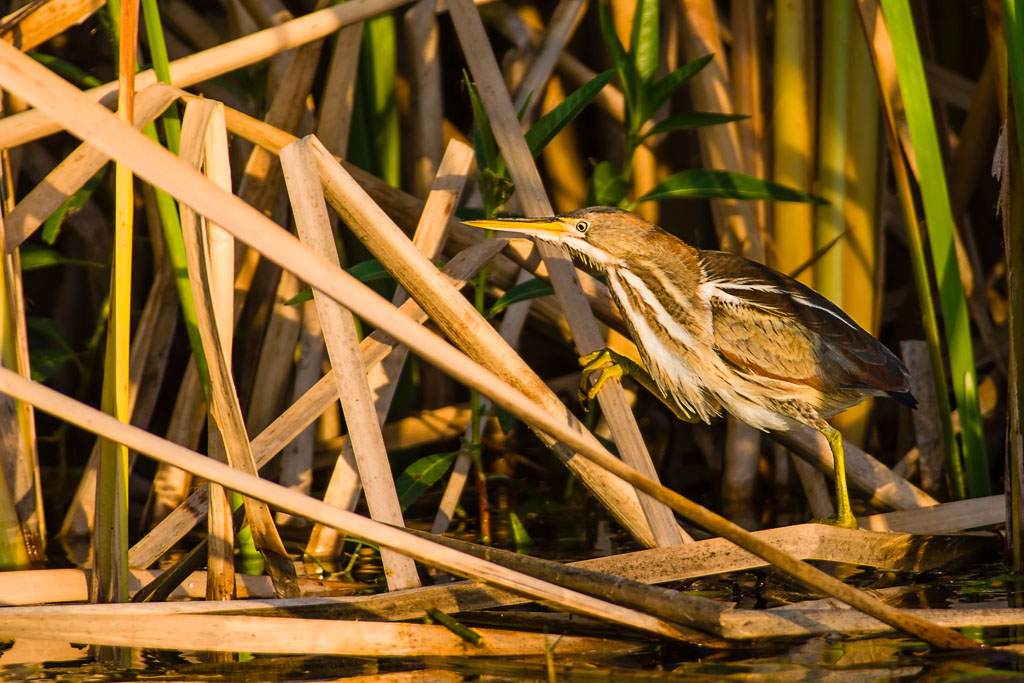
844 514
613 365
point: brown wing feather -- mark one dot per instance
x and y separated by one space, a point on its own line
768 324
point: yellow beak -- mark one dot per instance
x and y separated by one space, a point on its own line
542 227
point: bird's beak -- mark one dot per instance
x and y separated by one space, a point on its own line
541 227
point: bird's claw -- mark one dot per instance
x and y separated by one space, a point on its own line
598 361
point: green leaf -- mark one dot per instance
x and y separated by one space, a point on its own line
607 187
70 206
643 41
421 475
623 64
506 420
693 119
496 189
524 291
484 144
520 537
939 219
67 70
367 271
663 89
710 184
300 298
549 125
36 257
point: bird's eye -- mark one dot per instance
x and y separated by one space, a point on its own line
582 226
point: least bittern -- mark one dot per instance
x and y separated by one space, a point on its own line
720 331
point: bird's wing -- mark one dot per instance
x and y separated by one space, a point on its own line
768 324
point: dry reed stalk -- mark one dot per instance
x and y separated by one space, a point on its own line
314 228
275 362
37 586
110 532
87 119
355 525
530 192
792 621
204 140
427 137
297 417
565 20
460 320
35 23
221 633
429 238
203 66
955 516
73 171
735 221
335 111
927 428
220 530
297 457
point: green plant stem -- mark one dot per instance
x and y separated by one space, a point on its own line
935 198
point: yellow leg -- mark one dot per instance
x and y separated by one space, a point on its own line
614 365
844 514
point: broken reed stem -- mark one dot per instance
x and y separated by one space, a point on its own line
91 121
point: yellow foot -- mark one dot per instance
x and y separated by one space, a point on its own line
598 361
847 522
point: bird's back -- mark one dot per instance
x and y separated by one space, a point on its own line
770 324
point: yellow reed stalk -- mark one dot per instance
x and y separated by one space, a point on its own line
862 293
110 582
828 270
793 135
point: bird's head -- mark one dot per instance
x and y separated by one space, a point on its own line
597 237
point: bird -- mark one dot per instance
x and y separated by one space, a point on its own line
717 331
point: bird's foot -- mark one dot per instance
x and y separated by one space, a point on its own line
598 361
847 522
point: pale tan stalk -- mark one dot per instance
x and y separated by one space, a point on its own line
73 171
274 367
355 525
564 21
89 418
427 134
223 633
35 23
300 415
429 238
215 317
563 274
87 119
711 91
30 125
297 457
310 210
